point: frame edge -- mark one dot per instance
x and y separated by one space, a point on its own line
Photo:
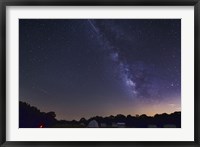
197 71
3 142
2 74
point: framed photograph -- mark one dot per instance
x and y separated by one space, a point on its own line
113 73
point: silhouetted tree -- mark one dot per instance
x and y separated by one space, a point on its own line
31 117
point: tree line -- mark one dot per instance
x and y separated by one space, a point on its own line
32 117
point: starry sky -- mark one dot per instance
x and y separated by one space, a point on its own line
88 67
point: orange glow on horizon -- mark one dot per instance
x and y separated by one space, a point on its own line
41 126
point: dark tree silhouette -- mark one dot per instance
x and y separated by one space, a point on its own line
31 117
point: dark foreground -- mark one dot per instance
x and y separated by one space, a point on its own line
31 117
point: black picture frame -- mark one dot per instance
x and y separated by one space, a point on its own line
4 3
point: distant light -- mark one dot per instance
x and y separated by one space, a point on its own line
41 126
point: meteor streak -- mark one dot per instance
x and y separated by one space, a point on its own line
95 29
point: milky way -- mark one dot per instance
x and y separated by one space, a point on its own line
128 71
88 67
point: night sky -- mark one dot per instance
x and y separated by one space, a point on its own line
88 67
